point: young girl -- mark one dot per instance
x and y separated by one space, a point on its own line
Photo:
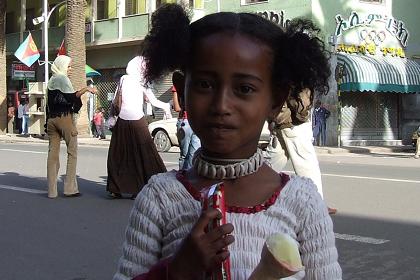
238 70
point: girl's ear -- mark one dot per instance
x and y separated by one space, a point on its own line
275 110
178 79
278 104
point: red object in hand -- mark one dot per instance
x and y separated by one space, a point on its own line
213 197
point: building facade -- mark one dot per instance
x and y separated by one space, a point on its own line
374 44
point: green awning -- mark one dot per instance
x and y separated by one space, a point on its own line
90 72
379 74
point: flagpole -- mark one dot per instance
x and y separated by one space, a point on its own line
45 29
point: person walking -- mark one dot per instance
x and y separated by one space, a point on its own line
25 119
19 117
292 139
10 117
63 102
319 124
99 122
417 154
132 154
187 139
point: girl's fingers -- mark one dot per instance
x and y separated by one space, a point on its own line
223 242
204 220
216 233
219 258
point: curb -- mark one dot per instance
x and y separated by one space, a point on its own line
88 141
30 139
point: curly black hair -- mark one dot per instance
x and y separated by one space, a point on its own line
300 59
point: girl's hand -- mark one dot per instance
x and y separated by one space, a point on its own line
93 90
202 252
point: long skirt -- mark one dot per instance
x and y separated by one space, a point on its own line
132 157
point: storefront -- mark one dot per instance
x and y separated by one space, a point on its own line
374 79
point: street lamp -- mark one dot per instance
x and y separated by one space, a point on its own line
44 19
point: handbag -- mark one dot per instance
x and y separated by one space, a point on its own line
111 121
117 101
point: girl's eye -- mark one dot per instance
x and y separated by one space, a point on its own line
245 89
204 84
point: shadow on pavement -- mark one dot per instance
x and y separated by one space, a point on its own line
87 187
398 258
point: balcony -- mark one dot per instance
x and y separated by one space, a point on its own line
105 32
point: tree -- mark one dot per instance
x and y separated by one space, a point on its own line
76 49
3 85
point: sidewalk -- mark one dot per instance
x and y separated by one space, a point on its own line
15 138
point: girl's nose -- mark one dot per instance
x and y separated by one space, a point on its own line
221 101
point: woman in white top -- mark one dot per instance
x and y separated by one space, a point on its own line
132 155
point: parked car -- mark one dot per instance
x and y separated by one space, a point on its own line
164 134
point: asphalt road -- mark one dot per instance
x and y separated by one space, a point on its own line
377 226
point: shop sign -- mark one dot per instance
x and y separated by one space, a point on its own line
371 49
20 71
273 16
379 23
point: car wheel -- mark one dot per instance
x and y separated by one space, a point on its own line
162 141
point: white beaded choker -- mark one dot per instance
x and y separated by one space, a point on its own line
233 169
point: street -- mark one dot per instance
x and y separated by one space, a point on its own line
377 225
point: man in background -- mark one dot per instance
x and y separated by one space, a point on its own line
319 123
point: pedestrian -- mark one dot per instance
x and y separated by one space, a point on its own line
417 154
238 69
132 154
98 120
25 119
292 139
187 139
10 117
63 102
19 117
23 115
319 123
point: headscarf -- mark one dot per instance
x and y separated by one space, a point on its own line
59 80
135 68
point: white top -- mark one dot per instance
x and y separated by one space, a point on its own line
133 92
164 213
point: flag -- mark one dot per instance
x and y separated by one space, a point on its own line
62 49
27 52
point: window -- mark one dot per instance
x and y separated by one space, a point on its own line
30 15
53 21
10 23
106 9
197 4
133 7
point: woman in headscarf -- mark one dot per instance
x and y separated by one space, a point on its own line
132 155
63 102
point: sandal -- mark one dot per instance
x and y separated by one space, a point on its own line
73 195
114 195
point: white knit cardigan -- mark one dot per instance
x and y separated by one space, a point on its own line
164 213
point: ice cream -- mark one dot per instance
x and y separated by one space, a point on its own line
280 258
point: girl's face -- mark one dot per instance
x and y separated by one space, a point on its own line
229 94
